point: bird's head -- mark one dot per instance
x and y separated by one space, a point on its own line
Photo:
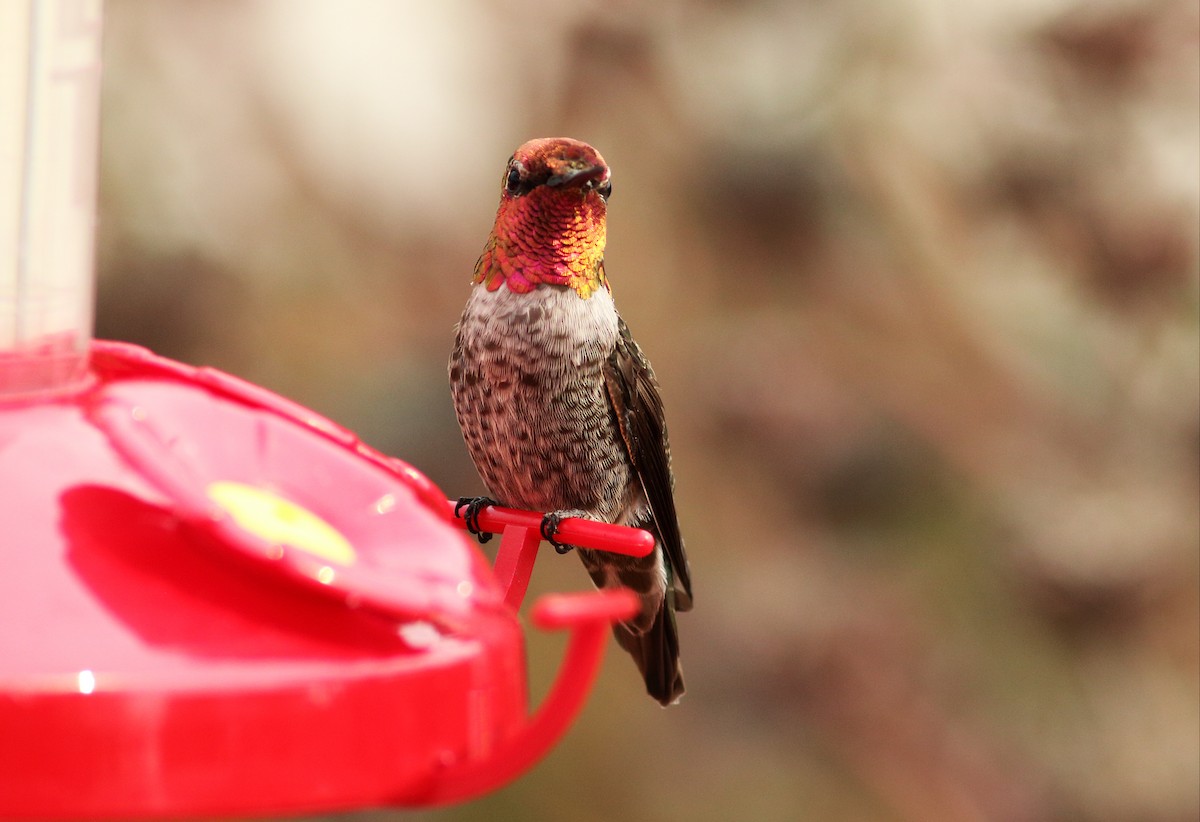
550 227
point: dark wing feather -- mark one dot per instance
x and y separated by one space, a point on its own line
633 391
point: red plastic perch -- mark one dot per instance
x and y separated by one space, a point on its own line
521 535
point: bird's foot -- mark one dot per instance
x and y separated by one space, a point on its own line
550 523
473 506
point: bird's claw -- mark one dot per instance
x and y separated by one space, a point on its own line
550 523
473 506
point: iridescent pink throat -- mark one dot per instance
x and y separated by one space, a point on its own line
550 237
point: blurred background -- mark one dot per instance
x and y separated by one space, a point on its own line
919 279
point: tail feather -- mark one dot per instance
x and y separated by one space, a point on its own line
656 653
650 637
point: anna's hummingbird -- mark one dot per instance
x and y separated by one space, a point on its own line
559 408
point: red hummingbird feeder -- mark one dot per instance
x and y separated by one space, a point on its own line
216 602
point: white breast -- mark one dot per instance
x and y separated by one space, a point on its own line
550 321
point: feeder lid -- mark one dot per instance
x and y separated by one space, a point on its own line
287 488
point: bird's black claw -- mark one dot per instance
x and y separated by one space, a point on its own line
550 523
473 506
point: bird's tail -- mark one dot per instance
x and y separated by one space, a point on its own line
656 653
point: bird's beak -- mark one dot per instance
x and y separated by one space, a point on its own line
576 176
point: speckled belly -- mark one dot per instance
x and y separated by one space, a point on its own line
529 391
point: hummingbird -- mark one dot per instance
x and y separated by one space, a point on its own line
559 408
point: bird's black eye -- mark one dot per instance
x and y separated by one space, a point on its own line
512 181
605 190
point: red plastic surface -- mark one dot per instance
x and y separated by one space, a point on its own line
216 602
590 617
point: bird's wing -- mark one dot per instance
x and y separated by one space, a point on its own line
633 392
